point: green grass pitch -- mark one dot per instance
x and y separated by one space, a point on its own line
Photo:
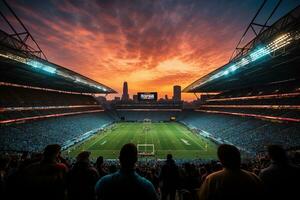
167 137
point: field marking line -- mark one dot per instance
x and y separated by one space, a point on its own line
185 141
184 132
99 137
103 142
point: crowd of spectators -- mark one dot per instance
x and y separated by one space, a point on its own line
247 133
250 134
48 175
34 135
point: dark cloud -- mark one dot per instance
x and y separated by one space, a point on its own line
113 40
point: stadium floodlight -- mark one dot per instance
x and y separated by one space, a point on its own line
280 42
276 44
243 62
41 66
232 68
49 69
261 52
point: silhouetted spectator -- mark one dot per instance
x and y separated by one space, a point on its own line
280 179
191 179
203 173
99 167
125 183
231 182
46 179
169 178
82 179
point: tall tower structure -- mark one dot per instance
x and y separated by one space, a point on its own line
125 95
176 93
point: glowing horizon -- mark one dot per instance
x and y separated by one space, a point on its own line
152 45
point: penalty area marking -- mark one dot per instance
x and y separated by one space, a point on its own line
103 142
185 141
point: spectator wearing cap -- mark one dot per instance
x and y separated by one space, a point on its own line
280 178
232 182
82 178
126 183
46 179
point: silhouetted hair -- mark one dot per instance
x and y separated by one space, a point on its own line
169 156
128 155
83 156
99 161
229 156
277 153
51 150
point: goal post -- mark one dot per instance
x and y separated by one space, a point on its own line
146 125
146 149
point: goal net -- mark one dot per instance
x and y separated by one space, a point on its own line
146 149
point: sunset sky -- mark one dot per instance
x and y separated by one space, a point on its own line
151 44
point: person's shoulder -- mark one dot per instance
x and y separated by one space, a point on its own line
143 181
102 182
248 173
251 175
108 177
215 175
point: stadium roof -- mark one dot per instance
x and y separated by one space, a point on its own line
273 56
17 66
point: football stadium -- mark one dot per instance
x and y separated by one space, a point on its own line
154 111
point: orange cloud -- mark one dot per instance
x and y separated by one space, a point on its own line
150 44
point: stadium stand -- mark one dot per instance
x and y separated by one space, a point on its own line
42 102
33 136
26 97
247 133
155 116
254 97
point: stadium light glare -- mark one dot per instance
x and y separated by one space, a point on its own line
41 66
280 42
232 68
49 69
242 62
276 44
261 52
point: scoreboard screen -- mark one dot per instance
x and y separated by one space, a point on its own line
147 96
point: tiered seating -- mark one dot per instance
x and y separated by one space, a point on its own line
34 135
248 133
21 103
278 101
26 97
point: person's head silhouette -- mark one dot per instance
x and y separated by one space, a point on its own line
229 156
169 157
128 156
277 154
99 161
52 151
